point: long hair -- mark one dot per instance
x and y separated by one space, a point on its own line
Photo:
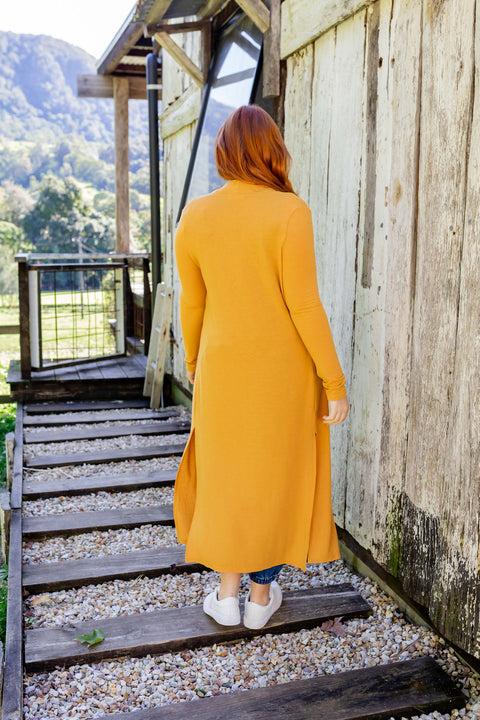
249 147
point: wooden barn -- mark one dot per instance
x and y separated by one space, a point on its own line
379 107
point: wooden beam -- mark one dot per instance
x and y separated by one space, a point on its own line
181 27
271 53
101 86
180 57
122 186
210 9
258 13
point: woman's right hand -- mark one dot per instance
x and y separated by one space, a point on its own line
337 411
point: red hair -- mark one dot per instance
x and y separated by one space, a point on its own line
250 147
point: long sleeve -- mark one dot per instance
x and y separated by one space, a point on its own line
300 290
192 295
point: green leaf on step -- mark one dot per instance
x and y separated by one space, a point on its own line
96 637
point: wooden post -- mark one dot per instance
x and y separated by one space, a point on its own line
9 447
5 515
122 189
24 302
271 53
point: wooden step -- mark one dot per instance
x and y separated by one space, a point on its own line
48 577
174 629
89 433
53 407
80 522
111 483
104 456
399 690
90 417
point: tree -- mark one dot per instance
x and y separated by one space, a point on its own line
60 217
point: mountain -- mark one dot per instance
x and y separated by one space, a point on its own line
38 93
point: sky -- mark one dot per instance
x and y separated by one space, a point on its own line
89 24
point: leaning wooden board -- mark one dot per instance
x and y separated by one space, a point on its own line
174 629
396 690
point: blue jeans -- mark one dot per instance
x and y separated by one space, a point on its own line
263 577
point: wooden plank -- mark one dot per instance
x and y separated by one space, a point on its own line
104 456
173 629
301 26
258 13
122 184
12 699
400 690
155 338
47 577
335 172
84 485
298 118
363 464
101 86
80 522
158 428
404 136
54 407
180 57
17 478
9 329
440 480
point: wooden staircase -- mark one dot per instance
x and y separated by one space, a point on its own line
385 691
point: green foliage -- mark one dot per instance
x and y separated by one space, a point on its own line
95 637
61 218
7 424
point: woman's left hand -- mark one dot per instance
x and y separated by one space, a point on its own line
191 376
337 411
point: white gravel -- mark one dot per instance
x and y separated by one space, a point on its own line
90 690
99 543
101 500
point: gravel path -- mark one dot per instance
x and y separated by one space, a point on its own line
83 691
90 690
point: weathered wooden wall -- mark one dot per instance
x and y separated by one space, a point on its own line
383 122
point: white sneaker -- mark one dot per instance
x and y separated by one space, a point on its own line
255 615
225 612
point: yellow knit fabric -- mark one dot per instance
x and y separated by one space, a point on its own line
253 485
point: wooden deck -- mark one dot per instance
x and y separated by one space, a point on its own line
118 378
393 690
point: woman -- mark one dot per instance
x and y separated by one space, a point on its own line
253 487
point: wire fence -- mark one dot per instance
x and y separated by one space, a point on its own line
77 314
